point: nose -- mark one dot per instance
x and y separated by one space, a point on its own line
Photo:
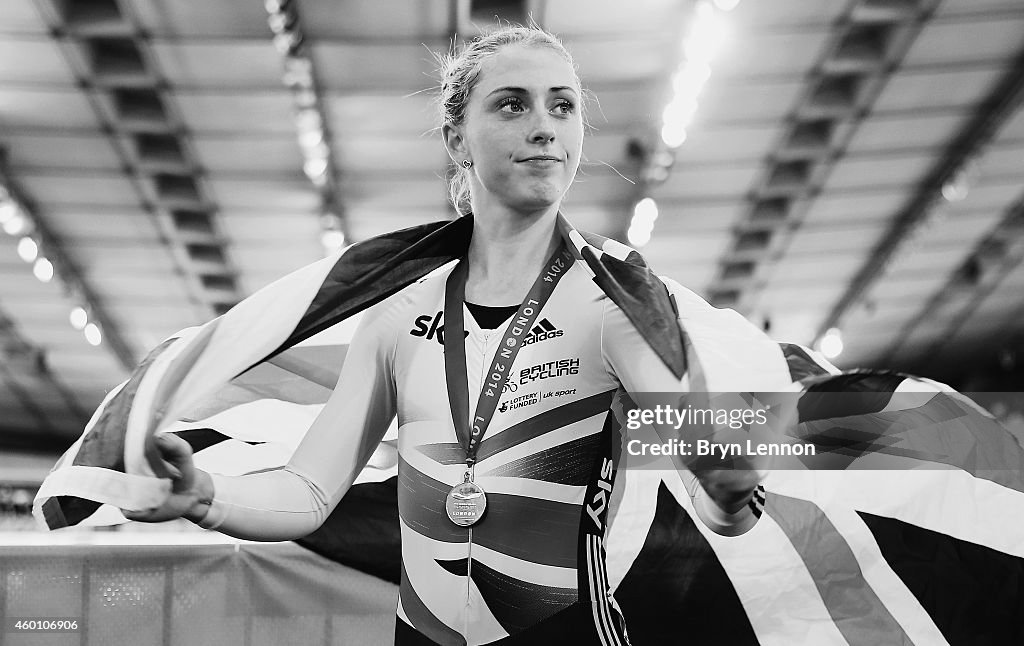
542 129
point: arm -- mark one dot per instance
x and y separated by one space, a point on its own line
720 496
291 502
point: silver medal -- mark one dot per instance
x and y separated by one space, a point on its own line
466 503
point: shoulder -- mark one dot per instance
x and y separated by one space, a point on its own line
685 297
398 309
693 308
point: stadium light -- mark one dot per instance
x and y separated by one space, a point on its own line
28 250
92 334
43 270
78 318
831 344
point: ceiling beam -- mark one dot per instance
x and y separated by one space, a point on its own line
34 363
68 271
1001 104
117 70
992 259
312 120
854 67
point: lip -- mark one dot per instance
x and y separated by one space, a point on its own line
541 158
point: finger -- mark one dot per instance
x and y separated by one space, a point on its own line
137 515
182 460
153 514
172 470
173 449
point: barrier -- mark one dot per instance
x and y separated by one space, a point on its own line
235 594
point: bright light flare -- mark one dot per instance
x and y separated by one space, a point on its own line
638 236
79 318
680 111
831 344
93 335
16 223
332 240
690 79
645 212
310 139
43 270
28 250
706 36
8 210
315 168
956 189
673 134
309 119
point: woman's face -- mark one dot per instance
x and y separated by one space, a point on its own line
523 129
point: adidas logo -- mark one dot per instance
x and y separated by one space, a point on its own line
543 331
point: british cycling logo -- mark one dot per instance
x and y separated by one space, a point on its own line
543 331
430 327
550 369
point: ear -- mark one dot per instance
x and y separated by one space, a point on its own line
454 142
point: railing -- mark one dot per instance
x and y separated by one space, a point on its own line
175 594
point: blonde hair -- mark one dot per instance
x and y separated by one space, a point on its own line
460 70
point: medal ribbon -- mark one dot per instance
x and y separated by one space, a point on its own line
494 381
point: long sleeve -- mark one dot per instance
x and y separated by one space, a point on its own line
628 356
734 356
637 367
291 502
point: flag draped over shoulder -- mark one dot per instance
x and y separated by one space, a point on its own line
245 387
907 528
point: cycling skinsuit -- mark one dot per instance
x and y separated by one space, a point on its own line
532 571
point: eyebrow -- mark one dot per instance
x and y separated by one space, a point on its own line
520 90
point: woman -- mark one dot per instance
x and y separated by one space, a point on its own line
503 370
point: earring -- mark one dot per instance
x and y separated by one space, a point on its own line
467 164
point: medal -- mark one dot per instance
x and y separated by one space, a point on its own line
466 503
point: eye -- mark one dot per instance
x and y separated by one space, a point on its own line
511 104
564 106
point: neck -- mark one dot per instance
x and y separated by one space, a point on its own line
506 255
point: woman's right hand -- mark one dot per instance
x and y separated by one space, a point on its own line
191 488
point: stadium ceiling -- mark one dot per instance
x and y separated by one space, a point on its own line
849 164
